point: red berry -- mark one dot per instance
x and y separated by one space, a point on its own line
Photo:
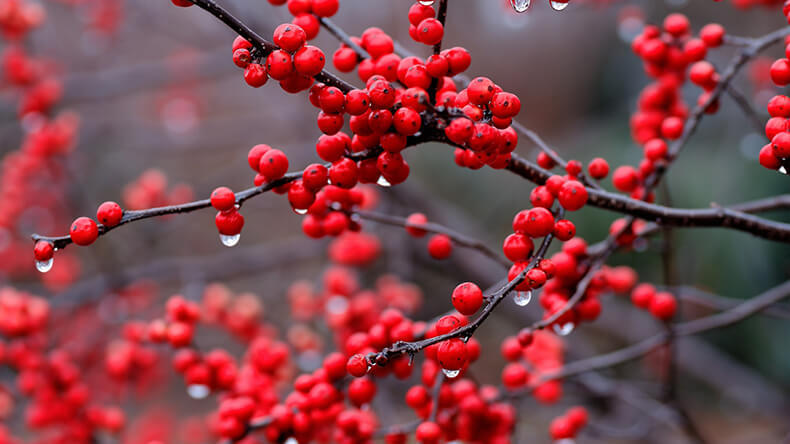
255 75
780 72
598 168
663 306
625 178
428 433
279 65
518 247
514 376
241 57
309 61
255 154
712 34
418 219
440 246
480 90
419 12
289 37
781 144
572 195
430 31
83 231
357 366
109 214
564 230
229 222
467 298
43 251
274 165
222 199
451 354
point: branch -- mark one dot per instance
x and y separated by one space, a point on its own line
709 217
341 35
442 17
458 238
263 45
533 136
746 107
729 317
402 347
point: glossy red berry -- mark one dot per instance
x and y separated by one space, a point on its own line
514 376
83 231
440 246
598 168
274 165
712 34
229 222
428 433
279 65
222 199
481 90
430 31
780 72
309 61
467 298
663 306
518 247
451 354
43 251
357 366
564 230
109 214
289 37
241 57
255 75
572 195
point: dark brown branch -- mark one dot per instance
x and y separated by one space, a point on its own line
709 217
263 45
400 348
724 319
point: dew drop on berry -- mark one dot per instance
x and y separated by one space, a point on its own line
426 2
564 329
558 5
198 391
229 240
522 298
291 440
450 373
45 266
382 182
782 169
300 210
520 5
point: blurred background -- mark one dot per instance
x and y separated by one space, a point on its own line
154 88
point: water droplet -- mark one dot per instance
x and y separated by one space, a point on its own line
520 5
522 298
45 266
291 440
382 182
300 210
198 391
564 329
229 240
426 2
782 169
558 5
450 373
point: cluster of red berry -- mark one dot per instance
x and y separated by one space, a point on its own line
776 154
